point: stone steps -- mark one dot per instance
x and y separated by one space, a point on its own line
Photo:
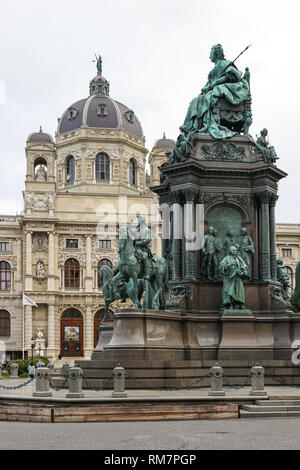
270 409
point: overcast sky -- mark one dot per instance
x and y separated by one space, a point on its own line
156 58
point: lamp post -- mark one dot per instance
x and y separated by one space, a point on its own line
32 347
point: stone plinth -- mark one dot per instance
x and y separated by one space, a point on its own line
105 334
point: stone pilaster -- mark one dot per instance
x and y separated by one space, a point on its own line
28 275
177 236
51 261
273 266
89 275
89 333
191 196
51 331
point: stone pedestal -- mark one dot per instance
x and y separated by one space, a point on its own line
42 383
75 383
105 333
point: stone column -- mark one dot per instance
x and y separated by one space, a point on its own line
177 236
51 258
28 275
189 232
88 277
28 327
89 333
273 266
165 231
265 269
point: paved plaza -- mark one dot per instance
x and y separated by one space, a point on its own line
270 434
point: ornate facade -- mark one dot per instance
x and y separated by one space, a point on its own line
79 187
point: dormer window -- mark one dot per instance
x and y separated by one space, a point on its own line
72 113
102 110
129 115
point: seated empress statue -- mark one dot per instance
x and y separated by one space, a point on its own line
224 81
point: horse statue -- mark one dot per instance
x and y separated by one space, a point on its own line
127 279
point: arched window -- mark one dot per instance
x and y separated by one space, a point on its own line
103 262
70 176
72 274
4 323
102 168
132 172
5 276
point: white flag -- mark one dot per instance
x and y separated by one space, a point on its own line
28 301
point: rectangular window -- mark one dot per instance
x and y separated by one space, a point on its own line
4 246
105 244
71 243
286 252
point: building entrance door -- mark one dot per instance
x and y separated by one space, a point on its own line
71 334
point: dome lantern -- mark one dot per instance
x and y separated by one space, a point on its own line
99 85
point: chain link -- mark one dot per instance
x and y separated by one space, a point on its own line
17 387
97 389
152 387
57 388
237 387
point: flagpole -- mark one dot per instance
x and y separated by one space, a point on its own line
23 330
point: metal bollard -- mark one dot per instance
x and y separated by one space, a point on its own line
119 382
14 368
216 381
42 383
258 381
75 383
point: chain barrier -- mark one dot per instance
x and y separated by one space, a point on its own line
169 389
229 384
57 388
17 387
97 389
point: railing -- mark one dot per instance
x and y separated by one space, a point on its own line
294 227
7 219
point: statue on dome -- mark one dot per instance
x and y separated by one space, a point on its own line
99 63
227 83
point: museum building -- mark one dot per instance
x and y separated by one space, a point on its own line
78 188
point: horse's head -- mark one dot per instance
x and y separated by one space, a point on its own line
125 238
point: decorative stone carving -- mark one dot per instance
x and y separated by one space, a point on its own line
40 270
278 301
223 151
178 298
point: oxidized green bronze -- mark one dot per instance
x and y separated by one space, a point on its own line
99 64
223 102
246 249
233 270
283 278
263 147
138 271
295 299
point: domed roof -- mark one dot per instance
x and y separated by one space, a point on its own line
40 137
100 111
164 143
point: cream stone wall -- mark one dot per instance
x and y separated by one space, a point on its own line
288 238
55 211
